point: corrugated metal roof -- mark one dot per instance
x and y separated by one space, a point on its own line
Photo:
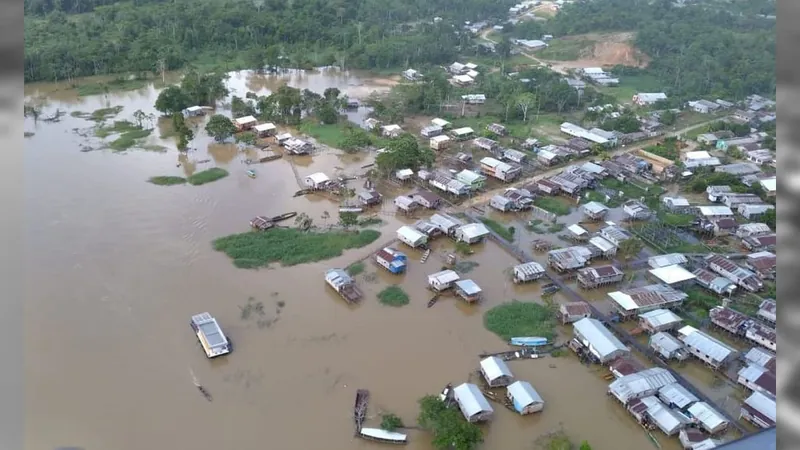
524 393
652 295
471 399
763 404
634 385
469 287
666 419
676 394
577 229
666 341
474 230
445 276
707 345
715 211
708 416
410 233
672 274
495 368
762 440
529 268
600 339
602 244
759 356
660 317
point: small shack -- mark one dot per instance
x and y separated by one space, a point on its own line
707 418
265 129
427 199
392 260
441 123
468 290
391 131
447 224
594 277
431 131
524 398
674 276
343 284
245 123
529 271
442 281
472 403
497 129
412 237
406 204
502 204
298 146
472 233
369 198
659 320
404 174
578 233
439 142
462 134
282 138
317 181
573 312
598 341
676 396
640 384
595 210
668 346
496 372
194 111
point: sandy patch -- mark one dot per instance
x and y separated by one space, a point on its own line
608 50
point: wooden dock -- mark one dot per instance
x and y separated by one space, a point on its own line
513 355
425 256
360 408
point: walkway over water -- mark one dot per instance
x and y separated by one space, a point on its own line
620 332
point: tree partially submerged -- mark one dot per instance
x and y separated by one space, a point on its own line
449 428
404 152
220 127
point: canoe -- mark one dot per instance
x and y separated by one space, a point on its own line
360 407
251 173
532 341
351 209
380 435
284 216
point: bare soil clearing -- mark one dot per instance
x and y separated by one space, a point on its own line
608 50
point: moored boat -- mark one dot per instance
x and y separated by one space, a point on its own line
251 173
262 223
360 407
531 341
284 216
380 435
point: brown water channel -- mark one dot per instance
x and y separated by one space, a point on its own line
116 267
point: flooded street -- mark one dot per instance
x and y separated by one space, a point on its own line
116 267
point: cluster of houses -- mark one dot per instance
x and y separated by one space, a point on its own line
419 234
603 244
520 396
599 76
463 74
292 145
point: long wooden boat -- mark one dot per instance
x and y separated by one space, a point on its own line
284 216
528 341
386 437
360 407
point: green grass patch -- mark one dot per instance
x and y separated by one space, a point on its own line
699 301
290 246
630 85
119 126
594 196
666 150
128 139
535 226
565 49
370 221
330 135
630 190
556 227
393 296
515 318
207 176
166 180
555 205
102 114
505 232
676 220
356 268
118 85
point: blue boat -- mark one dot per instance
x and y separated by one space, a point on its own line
528 341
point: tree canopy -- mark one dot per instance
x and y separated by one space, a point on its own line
70 38
450 430
404 152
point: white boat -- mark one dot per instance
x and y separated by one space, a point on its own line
379 435
533 341
210 335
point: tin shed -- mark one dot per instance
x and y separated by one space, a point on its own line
524 398
411 237
496 372
443 280
472 403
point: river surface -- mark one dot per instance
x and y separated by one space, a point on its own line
116 267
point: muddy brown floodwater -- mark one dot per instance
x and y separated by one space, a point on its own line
116 267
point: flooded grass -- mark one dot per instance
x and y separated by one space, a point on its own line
119 126
166 180
207 176
356 268
391 422
128 139
330 135
118 85
556 227
515 319
289 246
553 204
393 296
505 232
98 115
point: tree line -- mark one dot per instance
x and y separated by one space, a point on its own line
151 35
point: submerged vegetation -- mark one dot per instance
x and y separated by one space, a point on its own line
166 180
517 318
553 204
505 232
393 296
290 246
207 176
129 139
391 422
356 268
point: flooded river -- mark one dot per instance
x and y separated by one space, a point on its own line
116 267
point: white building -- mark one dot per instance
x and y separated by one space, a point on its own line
472 233
472 403
524 398
600 342
708 418
704 347
317 180
760 410
648 98
441 281
673 276
640 384
668 346
496 372
576 131
411 236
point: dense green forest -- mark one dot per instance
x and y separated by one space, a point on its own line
723 51
70 38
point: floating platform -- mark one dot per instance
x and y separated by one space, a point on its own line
512 355
360 408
